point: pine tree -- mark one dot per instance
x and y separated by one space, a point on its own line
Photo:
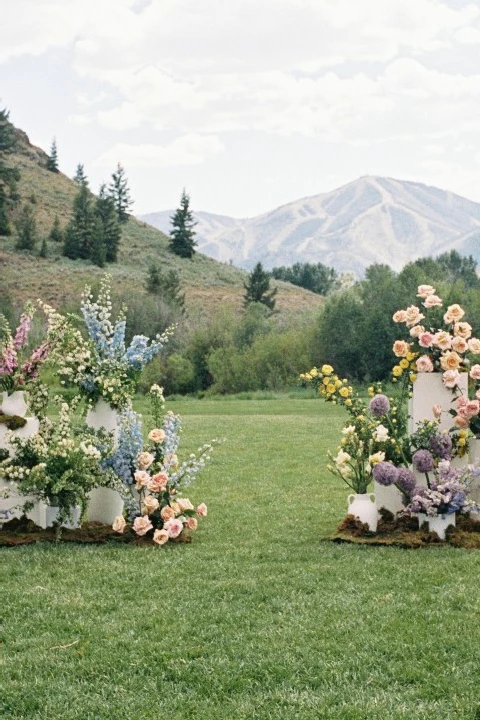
43 248
26 229
8 140
120 193
182 235
79 234
71 242
167 286
56 234
9 172
98 251
52 162
5 227
153 283
105 210
80 178
258 288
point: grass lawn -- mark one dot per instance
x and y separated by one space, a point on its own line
260 617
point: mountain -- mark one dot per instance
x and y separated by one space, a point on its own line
370 220
207 283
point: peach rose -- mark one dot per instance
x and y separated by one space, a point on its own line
413 315
191 523
142 525
156 435
150 504
184 504
424 364
400 348
454 313
459 344
176 508
142 478
416 331
173 527
426 339
202 510
460 422
443 340
167 513
119 524
450 361
462 329
450 378
160 537
144 460
474 346
400 316
432 301
475 372
437 411
425 290
158 482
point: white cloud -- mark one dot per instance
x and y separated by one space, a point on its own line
468 36
124 117
187 150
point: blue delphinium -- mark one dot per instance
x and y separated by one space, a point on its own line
130 443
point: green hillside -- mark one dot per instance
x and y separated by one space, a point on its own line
56 279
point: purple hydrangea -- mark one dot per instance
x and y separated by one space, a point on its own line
385 473
379 405
441 445
406 480
423 461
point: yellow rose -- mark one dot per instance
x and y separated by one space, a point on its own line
371 391
326 381
461 441
412 377
338 383
327 369
331 388
308 377
343 392
397 371
411 356
404 363
348 402
314 372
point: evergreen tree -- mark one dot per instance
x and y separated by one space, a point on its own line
5 227
258 288
56 234
26 229
120 193
52 162
80 178
71 242
79 234
8 140
9 172
153 284
105 210
43 248
98 251
182 235
167 286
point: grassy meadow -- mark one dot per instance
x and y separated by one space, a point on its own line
261 617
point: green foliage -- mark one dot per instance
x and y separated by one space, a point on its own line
106 212
26 229
176 374
56 234
120 193
79 233
98 252
257 288
52 162
167 285
5 226
182 235
43 253
317 278
9 174
8 140
80 178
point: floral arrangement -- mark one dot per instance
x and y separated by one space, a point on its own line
16 370
438 341
57 465
102 366
155 479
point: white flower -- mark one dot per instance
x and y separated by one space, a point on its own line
342 458
381 433
349 430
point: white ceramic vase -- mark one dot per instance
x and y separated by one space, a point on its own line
440 523
388 497
104 505
102 415
45 516
14 404
363 508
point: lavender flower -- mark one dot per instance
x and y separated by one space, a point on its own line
379 405
406 480
441 446
423 461
385 473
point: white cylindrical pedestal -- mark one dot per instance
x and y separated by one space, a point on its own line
429 390
45 516
388 497
104 505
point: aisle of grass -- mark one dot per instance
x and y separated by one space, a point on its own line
260 617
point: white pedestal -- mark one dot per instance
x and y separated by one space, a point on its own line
8 506
102 415
388 497
104 505
45 516
429 390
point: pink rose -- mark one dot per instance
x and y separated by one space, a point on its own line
142 525
461 402
443 340
160 537
424 364
156 435
144 460
119 524
173 527
167 513
150 504
462 329
473 407
416 331
454 313
413 315
184 504
432 301
459 344
202 510
474 346
158 482
142 478
450 378
475 372
400 348
437 411
191 523
400 316
425 290
426 339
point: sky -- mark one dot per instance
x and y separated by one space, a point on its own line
248 104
